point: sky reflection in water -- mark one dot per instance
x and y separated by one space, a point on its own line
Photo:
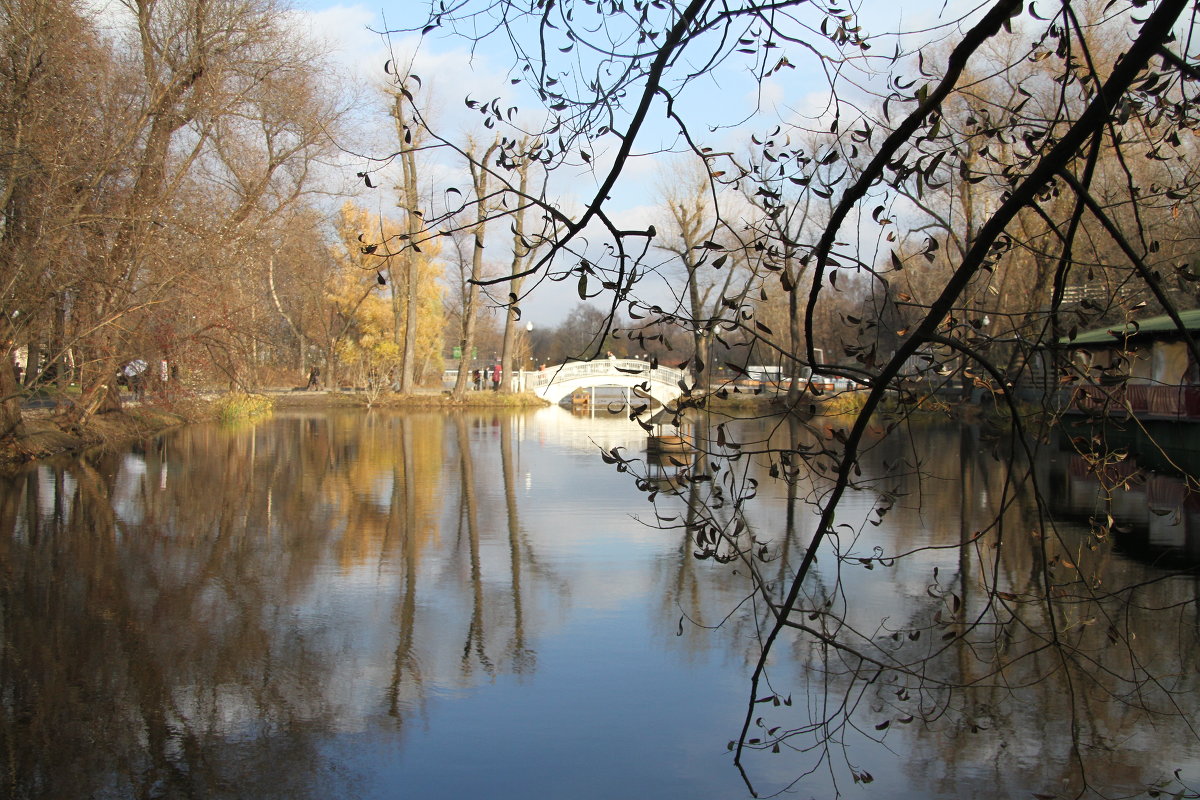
424 605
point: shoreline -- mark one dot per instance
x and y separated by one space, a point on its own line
48 433
325 398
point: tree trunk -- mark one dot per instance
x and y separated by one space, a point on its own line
795 338
33 358
11 424
410 203
102 395
508 352
520 253
467 342
479 181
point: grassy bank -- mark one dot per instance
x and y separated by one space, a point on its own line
48 432
237 406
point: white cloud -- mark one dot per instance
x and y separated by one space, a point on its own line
451 71
344 31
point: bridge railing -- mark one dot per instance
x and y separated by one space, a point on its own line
623 367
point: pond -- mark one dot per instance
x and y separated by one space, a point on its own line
473 604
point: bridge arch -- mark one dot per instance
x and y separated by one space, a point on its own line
553 384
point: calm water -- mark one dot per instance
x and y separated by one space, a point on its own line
475 605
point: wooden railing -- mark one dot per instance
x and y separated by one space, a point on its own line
1146 400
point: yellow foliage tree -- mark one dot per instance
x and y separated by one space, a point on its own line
369 326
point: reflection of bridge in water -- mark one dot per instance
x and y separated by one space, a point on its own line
639 377
591 431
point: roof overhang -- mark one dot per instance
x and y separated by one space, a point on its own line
1158 327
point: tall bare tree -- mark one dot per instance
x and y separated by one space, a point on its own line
989 175
472 265
409 133
522 254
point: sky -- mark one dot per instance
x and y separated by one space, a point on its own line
723 109
450 71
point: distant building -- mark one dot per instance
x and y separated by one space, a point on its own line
1144 367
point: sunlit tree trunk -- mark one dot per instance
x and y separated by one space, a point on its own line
509 357
470 289
405 302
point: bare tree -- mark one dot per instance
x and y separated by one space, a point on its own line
469 285
523 253
409 134
145 175
983 177
692 225
55 154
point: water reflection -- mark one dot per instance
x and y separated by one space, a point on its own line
446 605
1156 515
957 659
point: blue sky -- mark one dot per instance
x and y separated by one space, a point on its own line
451 72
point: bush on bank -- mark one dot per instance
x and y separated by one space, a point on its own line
242 406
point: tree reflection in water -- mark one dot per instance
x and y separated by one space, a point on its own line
992 647
168 630
246 612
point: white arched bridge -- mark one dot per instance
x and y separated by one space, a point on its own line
640 377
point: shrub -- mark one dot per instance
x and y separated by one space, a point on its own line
240 405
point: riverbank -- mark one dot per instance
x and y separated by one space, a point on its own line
48 432
421 399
